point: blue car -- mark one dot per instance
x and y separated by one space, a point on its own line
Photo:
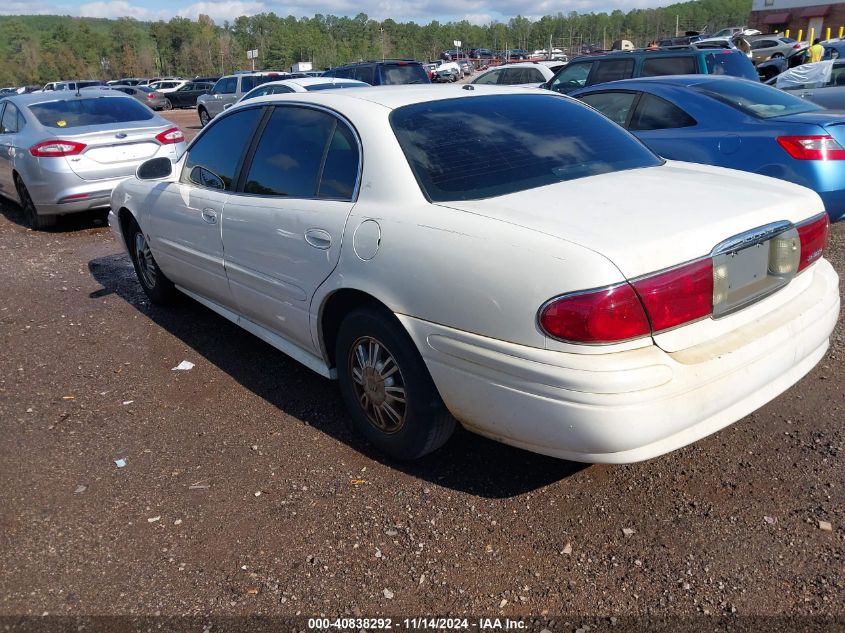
732 122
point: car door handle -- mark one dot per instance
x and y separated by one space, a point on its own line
209 216
318 238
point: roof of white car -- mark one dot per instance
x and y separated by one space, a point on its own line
398 96
311 81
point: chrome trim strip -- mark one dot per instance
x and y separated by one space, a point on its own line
751 237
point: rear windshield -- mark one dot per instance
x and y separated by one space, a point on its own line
481 147
403 74
756 99
96 111
728 62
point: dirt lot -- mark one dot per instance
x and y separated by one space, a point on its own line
244 493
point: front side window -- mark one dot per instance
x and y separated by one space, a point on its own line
657 66
571 77
95 111
226 86
304 153
654 113
616 106
402 73
728 62
213 159
489 78
510 143
514 76
366 73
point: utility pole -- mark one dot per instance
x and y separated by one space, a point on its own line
381 28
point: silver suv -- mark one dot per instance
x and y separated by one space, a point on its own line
228 90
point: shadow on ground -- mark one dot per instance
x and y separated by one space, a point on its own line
468 463
65 224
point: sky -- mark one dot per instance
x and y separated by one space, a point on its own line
420 11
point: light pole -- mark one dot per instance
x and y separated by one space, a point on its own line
381 28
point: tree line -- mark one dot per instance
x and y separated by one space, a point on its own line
41 48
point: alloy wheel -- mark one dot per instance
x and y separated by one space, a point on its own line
378 384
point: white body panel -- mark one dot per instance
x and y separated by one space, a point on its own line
467 279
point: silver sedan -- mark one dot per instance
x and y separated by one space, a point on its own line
64 152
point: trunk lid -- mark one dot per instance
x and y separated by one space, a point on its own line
645 220
648 220
114 152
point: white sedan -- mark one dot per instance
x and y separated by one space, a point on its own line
506 258
302 84
520 74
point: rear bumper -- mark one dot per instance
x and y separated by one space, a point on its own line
626 406
65 196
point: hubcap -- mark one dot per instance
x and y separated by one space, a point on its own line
146 263
378 384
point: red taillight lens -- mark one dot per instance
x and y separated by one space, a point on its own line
56 148
813 236
170 136
151 95
812 147
601 316
678 296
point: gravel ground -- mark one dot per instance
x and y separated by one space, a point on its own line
244 493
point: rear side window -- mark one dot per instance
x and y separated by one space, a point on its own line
612 70
96 111
213 159
340 170
763 44
393 74
657 66
509 143
756 99
290 154
248 82
10 122
522 76
366 73
655 113
489 78
728 62
616 106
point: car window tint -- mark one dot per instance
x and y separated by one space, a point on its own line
394 74
572 77
489 78
340 171
95 111
290 153
366 73
837 76
762 44
336 85
655 113
657 66
257 93
756 99
480 147
280 90
614 105
219 149
730 63
226 86
9 120
612 70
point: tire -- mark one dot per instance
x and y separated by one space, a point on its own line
36 221
204 118
776 56
378 365
168 105
155 283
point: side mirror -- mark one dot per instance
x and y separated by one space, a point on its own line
227 106
154 169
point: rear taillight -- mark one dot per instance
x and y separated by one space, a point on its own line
678 296
170 136
796 46
813 236
812 147
151 95
56 148
601 316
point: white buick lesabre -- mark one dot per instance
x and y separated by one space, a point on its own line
509 259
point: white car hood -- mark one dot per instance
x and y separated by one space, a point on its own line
645 220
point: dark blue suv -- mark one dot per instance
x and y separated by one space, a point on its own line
687 60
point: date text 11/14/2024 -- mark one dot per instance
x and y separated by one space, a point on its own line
416 624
